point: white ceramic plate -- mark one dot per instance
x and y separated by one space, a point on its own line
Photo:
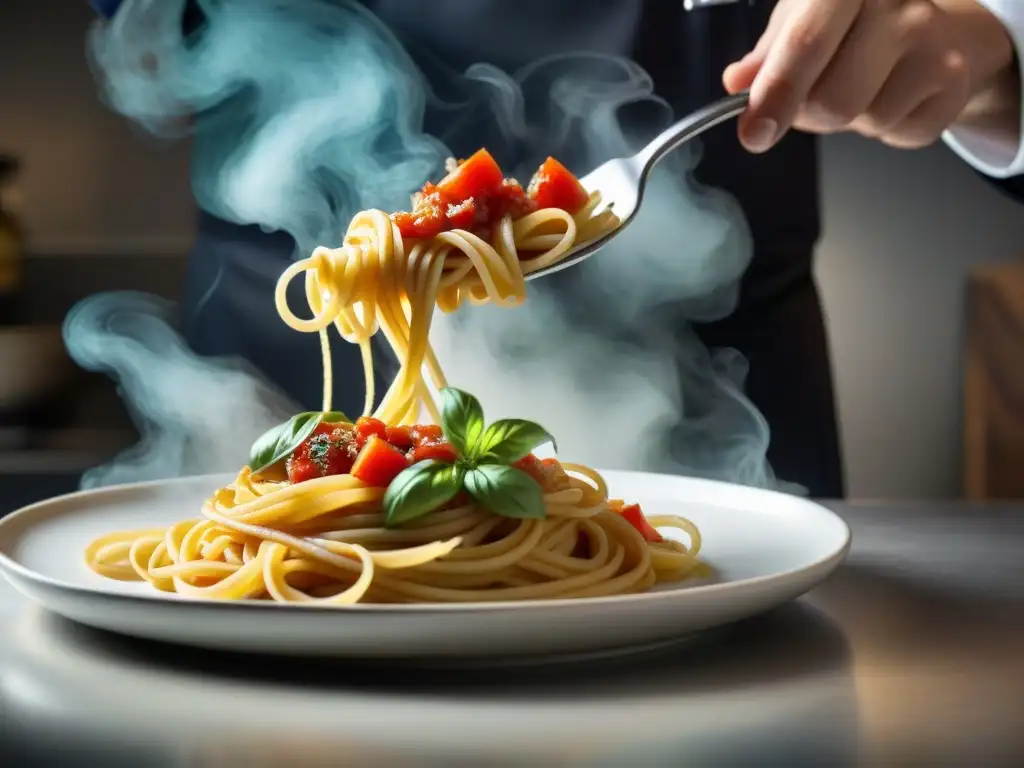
766 549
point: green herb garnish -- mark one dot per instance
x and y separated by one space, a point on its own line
482 468
319 447
506 491
278 442
415 493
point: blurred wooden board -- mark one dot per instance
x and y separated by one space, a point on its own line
994 384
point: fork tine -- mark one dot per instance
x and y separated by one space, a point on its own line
621 181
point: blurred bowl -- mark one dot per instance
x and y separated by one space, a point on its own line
33 365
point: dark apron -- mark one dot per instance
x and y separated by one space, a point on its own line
778 325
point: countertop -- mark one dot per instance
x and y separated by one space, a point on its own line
911 654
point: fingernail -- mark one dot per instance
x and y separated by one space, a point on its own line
760 134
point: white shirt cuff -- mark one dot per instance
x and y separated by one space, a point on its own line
995 156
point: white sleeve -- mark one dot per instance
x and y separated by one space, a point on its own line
995 156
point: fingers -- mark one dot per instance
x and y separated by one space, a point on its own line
806 42
889 69
854 77
924 124
906 89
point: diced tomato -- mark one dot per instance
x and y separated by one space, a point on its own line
635 517
510 199
423 222
439 451
531 465
366 426
547 472
465 215
475 196
330 450
427 433
427 217
302 469
378 462
418 223
400 437
554 186
321 429
428 192
477 176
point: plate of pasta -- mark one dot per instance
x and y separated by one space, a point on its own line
419 528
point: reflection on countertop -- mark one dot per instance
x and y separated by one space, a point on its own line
722 699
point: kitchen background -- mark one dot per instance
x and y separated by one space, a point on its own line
107 208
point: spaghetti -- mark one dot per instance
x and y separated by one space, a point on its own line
328 512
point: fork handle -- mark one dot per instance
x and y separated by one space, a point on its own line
691 126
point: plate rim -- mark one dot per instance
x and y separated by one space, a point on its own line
11 566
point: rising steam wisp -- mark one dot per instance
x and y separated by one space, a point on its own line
196 416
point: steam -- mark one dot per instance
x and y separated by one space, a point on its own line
605 356
195 416
305 112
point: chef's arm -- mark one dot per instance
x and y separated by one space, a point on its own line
989 133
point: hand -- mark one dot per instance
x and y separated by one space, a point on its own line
901 71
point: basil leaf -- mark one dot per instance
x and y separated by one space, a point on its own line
510 440
506 491
462 420
421 489
278 442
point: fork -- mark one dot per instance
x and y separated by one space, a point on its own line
622 181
